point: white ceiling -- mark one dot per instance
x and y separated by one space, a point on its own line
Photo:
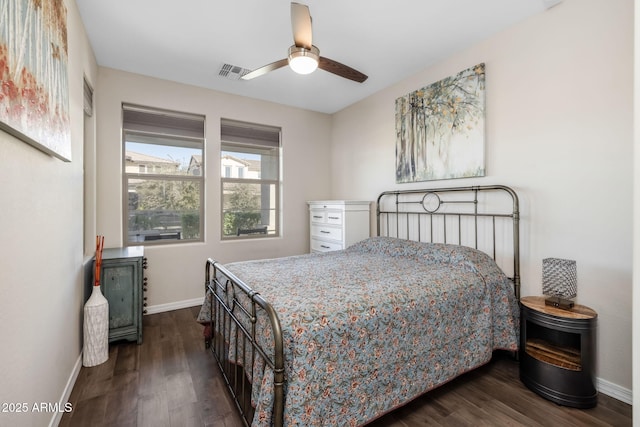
189 41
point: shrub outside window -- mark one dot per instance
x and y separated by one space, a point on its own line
163 176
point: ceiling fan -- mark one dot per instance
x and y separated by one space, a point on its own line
303 56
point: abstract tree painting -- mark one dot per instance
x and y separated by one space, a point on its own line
440 129
34 92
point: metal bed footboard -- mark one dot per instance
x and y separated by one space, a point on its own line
235 303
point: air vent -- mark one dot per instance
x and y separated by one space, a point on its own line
232 72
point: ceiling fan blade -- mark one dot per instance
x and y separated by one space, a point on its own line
264 70
301 25
341 70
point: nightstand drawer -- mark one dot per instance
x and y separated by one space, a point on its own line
322 246
333 233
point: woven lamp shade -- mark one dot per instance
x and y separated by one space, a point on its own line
559 278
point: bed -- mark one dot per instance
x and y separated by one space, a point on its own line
343 337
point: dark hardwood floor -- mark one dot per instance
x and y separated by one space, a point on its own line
171 380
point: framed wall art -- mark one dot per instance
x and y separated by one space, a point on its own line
440 129
34 92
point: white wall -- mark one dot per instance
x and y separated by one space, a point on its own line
176 272
41 263
559 131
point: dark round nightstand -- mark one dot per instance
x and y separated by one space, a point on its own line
557 351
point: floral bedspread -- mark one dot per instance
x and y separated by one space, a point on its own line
370 328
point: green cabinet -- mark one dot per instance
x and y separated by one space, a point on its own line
121 282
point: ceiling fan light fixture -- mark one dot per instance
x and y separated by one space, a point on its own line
304 57
303 60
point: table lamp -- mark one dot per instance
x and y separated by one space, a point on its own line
559 282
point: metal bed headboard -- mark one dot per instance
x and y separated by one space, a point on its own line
483 217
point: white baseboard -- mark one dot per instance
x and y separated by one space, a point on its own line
66 393
615 391
161 308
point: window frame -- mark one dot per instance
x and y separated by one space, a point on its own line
275 182
160 177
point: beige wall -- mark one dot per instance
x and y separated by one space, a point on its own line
559 131
41 286
176 272
636 222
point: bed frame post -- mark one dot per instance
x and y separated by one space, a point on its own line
278 362
516 241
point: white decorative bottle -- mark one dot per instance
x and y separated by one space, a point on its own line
96 329
96 318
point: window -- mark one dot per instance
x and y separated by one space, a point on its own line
250 169
163 176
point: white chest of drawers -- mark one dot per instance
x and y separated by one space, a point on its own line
337 224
